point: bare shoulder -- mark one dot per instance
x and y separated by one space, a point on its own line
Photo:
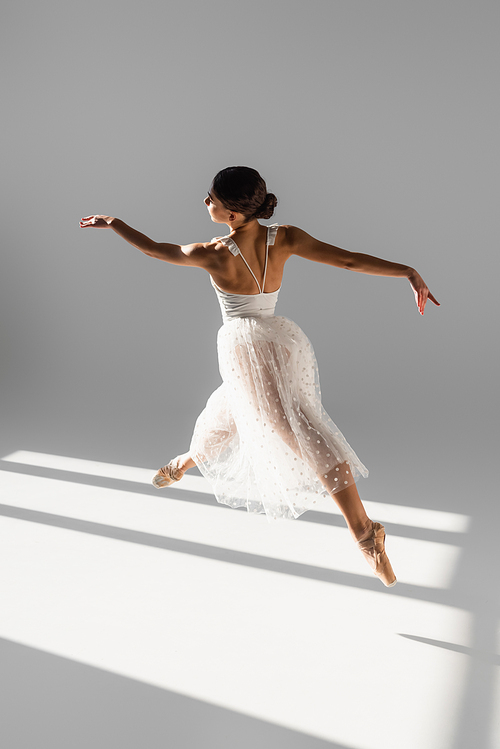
202 254
284 240
295 238
299 242
292 239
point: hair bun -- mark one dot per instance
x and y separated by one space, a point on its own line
242 189
268 206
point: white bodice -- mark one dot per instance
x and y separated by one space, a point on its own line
261 304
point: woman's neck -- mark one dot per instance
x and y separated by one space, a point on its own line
249 228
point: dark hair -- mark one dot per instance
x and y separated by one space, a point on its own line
243 190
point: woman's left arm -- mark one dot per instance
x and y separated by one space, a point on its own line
177 254
304 245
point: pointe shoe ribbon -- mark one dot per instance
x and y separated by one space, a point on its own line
167 475
373 547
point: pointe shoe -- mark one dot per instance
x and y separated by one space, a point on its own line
372 544
167 475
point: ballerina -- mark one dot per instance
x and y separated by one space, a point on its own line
264 440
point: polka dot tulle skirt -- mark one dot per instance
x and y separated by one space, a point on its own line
264 440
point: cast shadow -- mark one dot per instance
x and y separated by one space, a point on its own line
473 589
51 702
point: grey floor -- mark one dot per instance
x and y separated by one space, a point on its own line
132 617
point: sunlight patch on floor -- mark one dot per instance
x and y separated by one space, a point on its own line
412 516
415 561
297 652
105 470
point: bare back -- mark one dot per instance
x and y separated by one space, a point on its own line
230 272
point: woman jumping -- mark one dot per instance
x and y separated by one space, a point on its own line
264 440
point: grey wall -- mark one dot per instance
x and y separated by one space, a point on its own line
375 123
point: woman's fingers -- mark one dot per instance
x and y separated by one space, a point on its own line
98 221
425 297
433 299
418 299
421 291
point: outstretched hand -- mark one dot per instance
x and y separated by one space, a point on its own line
100 222
421 291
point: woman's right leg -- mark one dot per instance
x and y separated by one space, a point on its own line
349 503
369 536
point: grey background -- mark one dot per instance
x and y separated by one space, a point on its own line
375 123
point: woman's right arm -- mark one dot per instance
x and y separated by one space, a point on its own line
302 244
189 254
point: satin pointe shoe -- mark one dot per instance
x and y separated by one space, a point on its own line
372 544
167 475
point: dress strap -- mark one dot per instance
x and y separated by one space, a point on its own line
271 236
253 274
272 230
230 244
235 250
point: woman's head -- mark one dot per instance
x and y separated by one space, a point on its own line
243 190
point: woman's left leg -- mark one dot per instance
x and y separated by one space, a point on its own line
183 462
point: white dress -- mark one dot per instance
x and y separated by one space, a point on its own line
264 440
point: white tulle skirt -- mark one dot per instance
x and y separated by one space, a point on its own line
264 440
